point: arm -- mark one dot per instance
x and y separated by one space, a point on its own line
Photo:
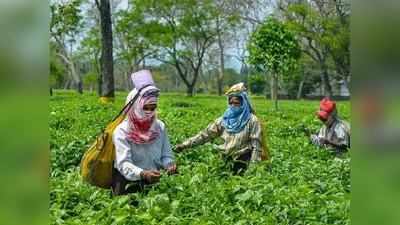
342 141
123 157
256 141
167 156
212 131
317 139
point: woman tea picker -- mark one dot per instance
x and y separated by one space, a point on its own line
238 127
141 141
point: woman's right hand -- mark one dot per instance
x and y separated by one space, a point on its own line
179 147
150 176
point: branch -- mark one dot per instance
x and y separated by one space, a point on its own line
177 64
317 53
164 61
97 4
144 56
251 20
71 65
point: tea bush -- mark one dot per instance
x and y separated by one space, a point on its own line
300 185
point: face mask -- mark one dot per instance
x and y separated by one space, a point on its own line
235 109
149 112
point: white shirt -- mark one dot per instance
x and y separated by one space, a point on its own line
131 159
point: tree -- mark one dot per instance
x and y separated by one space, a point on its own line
273 48
181 32
106 59
64 25
323 28
134 48
340 40
90 48
257 83
227 17
57 70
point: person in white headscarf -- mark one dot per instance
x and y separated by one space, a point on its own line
141 141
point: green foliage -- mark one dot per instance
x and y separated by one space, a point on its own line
133 34
90 45
231 77
257 83
273 47
171 23
178 30
305 72
57 71
301 185
325 30
90 79
66 19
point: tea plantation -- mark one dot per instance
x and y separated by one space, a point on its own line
300 185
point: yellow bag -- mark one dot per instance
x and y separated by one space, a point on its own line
98 161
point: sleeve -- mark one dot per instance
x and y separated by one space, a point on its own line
123 157
167 156
212 131
255 140
342 134
315 139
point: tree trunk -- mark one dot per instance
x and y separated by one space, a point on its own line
128 86
274 90
80 87
196 72
99 84
301 85
144 63
220 82
300 90
51 91
190 90
96 64
221 64
325 81
72 70
67 84
107 63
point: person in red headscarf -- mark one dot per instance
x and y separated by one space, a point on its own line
335 133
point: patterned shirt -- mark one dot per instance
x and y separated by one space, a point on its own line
338 132
235 144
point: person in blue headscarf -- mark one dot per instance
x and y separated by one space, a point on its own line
240 129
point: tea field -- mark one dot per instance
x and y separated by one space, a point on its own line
300 185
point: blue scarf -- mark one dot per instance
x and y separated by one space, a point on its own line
236 118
